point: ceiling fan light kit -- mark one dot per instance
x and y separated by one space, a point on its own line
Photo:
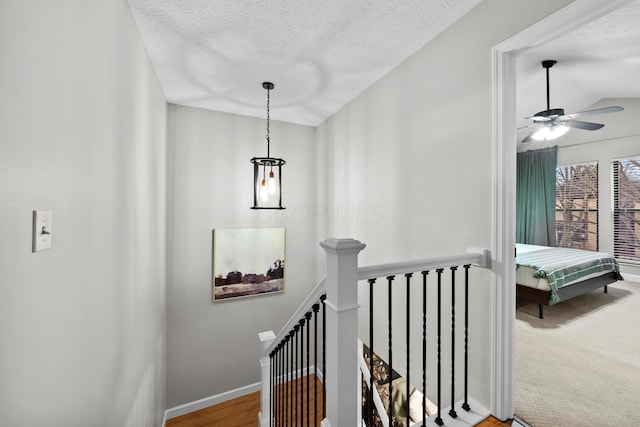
553 123
549 132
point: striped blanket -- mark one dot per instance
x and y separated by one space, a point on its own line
561 265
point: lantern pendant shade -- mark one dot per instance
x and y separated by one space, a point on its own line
267 190
267 172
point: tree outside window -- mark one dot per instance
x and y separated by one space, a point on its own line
577 206
626 209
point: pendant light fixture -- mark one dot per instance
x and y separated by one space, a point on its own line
267 171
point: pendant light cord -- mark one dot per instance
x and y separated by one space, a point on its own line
268 117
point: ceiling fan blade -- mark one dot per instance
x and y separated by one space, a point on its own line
583 125
533 125
612 109
528 137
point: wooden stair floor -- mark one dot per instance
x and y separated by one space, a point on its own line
243 411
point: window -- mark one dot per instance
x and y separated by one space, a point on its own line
626 209
577 206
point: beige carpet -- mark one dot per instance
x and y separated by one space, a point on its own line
580 365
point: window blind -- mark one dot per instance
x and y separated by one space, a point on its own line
577 206
626 209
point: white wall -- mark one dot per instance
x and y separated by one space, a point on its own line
412 156
214 347
82 133
619 138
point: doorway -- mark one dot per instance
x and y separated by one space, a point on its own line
504 57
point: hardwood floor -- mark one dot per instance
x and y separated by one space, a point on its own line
243 411
237 412
494 422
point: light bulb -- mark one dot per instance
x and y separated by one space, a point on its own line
272 183
264 193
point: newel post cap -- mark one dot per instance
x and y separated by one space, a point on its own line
342 246
266 338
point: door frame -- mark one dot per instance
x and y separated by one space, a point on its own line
504 55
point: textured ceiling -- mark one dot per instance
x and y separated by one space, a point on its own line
215 54
598 60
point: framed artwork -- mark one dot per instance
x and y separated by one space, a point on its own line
247 262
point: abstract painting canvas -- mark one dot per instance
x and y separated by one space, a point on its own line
248 262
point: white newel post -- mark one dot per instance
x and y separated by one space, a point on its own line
341 379
266 338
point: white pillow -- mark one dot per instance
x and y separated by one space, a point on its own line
415 407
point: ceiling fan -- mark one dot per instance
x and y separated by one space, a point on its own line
553 123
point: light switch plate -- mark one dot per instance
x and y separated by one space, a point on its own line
42 230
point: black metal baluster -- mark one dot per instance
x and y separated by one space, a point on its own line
324 358
424 347
286 384
452 411
438 419
465 405
274 388
282 384
280 372
408 383
308 317
277 387
292 373
301 406
293 376
282 390
279 382
300 381
390 373
370 405
316 308
271 393
289 397
294 384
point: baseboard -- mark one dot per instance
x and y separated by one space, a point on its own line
211 400
631 277
223 397
519 422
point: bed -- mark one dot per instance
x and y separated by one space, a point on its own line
547 276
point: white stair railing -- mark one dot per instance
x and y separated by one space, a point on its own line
342 381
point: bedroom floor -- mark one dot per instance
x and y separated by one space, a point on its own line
243 412
581 362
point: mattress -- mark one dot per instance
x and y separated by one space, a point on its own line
549 269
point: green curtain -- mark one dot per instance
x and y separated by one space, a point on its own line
536 197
